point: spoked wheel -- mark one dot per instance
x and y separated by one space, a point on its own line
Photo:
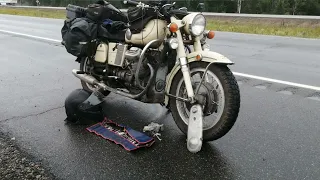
220 99
87 66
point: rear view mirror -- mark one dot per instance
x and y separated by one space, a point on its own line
183 9
200 7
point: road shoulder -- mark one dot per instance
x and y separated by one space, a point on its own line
16 164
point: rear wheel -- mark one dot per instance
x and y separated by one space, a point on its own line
221 102
87 66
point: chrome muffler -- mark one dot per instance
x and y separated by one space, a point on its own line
88 79
93 81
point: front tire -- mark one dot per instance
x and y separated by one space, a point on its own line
228 98
87 66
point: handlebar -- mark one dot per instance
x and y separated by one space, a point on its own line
143 4
162 9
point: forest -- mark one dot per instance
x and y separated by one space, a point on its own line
288 7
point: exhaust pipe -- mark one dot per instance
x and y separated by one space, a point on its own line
93 81
88 79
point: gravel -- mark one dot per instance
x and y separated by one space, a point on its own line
14 164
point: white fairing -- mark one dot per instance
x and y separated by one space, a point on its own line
154 29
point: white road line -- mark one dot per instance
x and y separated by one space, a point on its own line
235 73
31 36
278 81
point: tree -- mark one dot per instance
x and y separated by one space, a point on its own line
303 7
239 6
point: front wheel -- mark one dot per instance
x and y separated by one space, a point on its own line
87 66
221 99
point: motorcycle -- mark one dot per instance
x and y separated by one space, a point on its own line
168 61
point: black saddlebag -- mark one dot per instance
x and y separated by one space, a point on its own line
79 36
112 32
74 11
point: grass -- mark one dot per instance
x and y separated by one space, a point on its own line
279 27
271 27
45 13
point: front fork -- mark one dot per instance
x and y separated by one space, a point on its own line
195 124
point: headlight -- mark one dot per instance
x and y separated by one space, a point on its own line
198 25
173 42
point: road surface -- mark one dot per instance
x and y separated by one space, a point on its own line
275 137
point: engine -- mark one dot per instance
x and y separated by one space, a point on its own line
117 65
128 67
122 64
124 73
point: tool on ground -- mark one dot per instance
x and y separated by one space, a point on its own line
154 129
125 136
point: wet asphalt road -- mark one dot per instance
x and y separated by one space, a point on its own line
275 137
287 59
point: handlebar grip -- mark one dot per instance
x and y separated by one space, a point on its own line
130 2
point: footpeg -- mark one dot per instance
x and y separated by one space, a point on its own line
194 141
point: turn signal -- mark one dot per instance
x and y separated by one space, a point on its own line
173 27
210 35
198 57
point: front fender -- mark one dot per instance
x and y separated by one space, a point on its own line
207 56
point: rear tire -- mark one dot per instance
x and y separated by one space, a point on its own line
86 66
230 98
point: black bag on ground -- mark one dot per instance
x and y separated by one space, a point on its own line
76 114
78 36
102 10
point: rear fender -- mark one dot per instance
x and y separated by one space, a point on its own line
207 56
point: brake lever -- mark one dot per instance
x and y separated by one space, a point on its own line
140 4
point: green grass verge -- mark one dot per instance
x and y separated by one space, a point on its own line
46 13
295 28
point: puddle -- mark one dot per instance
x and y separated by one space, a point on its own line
314 98
286 92
261 87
